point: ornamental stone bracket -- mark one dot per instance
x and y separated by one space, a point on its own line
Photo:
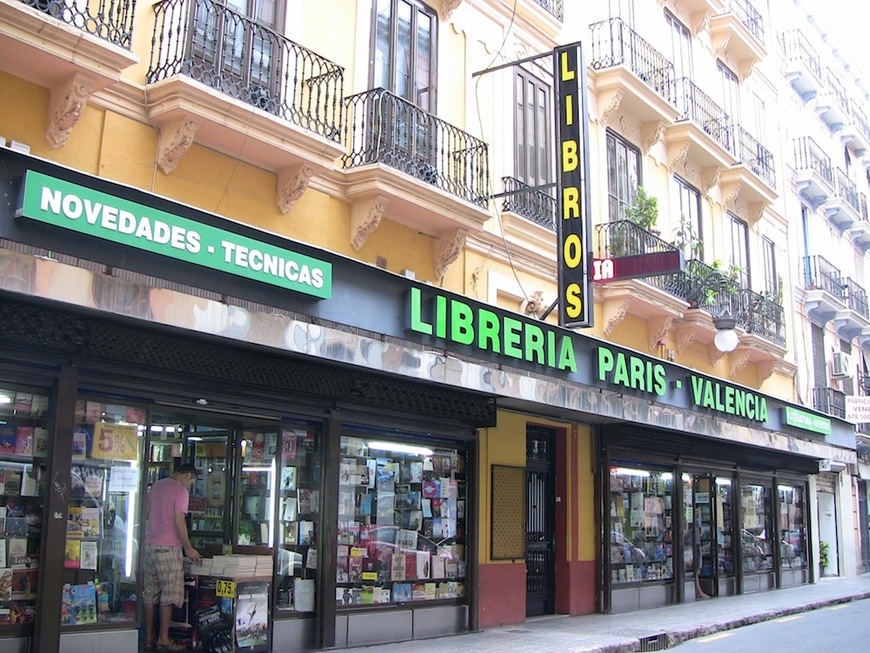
715 355
657 329
175 140
447 8
66 105
365 217
447 250
739 360
651 133
685 334
608 103
750 211
292 182
709 178
615 310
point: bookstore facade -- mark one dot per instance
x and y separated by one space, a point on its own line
337 416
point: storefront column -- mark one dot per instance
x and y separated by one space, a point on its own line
326 608
46 630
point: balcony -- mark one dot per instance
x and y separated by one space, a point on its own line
553 7
830 401
224 81
632 77
825 292
702 135
853 320
803 67
814 175
421 170
860 229
843 208
738 35
832 105
762 316
753 178
856 133
73 49
639 297
533 204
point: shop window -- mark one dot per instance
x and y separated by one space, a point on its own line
101 550
298 518
641 525
792 533
24 440
401 529
756 533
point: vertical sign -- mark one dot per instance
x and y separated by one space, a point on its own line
572 217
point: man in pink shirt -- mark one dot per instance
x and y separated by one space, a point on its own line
165 539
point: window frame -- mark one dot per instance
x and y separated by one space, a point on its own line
738 244
685 193
626 200
529 157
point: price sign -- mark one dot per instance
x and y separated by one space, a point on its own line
225 589
114 442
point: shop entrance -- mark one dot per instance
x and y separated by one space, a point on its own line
711 536
540 523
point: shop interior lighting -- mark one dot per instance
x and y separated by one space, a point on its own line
5 399
723 481
628 471
396 447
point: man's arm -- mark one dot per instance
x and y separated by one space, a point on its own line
181 529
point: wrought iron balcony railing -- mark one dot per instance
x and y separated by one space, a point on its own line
762 315
796 47
554 7
859 118
755 156
856 298
535 205
847 191
614 43
625 238
703 286
110 20
837 90
225 50
384 128
830 401
749 16
862 200
820 273
698 107
809 156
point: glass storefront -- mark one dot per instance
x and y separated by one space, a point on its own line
641 524
792 530
756 530
401 528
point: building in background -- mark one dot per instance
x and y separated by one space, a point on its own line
316 254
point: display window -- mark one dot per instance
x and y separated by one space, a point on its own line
298 505
24 443
756 530
641 524
792 533
401 528
101 551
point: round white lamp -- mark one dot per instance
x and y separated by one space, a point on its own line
726 338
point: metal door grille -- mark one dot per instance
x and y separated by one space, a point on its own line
540 517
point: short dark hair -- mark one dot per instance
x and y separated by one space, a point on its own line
187 468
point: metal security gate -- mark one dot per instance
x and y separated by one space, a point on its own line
540 523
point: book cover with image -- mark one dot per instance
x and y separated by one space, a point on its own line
252 615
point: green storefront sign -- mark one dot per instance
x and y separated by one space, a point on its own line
87 211
806 421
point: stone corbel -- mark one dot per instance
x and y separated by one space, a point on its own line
721 46
67 103
700 21
175 141
615 310
651 133
657 329
292 183
764 369
715 354
685 336
447 8
755 211
709 178
610 106
745 69
447 250
677 153
739 360
730 196
365 216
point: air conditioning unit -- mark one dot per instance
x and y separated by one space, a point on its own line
840 365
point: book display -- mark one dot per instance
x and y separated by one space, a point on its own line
258 491
209 517
100 549
24 440
298 518
793 546
641 525
401 529
757 548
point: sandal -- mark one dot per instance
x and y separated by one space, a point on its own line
150 645
171 646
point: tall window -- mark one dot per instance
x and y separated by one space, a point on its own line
681 46
739 259
404 51
730 101
688 234
768 253
532 160
623 9
623 175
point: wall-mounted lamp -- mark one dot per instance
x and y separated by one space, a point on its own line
726 338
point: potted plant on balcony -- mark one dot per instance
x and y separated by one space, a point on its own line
644 213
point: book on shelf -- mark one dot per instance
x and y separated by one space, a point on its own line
24 441
5 584
88 555
397 567
290 532
7 440
24 583
72 554
79 604
303 594
311 558
288 445
306 533
309 501
2 552
402 592
288 478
